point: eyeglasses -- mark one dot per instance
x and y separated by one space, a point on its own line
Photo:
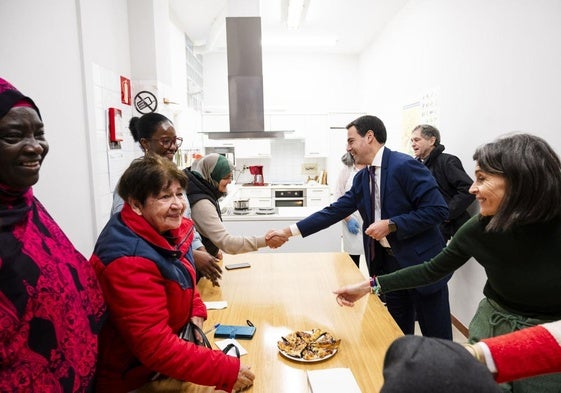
166 142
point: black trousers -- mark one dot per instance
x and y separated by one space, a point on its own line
432 311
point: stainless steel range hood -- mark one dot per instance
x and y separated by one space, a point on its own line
245 81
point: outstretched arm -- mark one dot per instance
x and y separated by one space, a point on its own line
348 295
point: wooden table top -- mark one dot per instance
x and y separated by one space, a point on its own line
284 292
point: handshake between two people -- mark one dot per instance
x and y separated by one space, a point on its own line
276 238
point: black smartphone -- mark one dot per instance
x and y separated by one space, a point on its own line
233 266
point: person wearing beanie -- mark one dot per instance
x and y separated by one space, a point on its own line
208 181
51 305
415 364
418 364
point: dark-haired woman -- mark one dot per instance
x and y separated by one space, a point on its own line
51 306
516 238
156 135
144 262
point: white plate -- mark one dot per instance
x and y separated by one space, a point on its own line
301 360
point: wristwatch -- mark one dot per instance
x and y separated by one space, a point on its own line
391 226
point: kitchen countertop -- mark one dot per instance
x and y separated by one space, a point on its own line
282 214
269 185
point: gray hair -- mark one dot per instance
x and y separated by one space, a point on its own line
348 159
428 131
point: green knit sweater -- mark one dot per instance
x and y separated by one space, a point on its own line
523 266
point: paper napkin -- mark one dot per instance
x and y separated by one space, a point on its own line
223 343
332 380
216 305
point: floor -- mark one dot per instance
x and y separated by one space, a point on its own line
456 334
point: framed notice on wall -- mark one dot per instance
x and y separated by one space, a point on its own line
425 110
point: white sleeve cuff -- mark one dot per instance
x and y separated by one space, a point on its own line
488 357
294 229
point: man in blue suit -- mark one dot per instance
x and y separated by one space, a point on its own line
401 227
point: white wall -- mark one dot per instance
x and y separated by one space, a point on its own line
41 55
496 65
106 58
293 83
68 55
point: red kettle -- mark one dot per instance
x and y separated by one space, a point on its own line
257 172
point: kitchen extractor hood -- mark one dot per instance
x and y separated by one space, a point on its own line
245 81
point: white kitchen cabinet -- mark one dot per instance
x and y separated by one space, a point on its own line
312 127
316 141
289 122
317 197
259 196
252 148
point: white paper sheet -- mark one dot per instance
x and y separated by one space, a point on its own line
333 380
223 343
216 305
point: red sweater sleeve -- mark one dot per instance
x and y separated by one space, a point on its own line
527 352
137 297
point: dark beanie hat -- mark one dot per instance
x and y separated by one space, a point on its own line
431 365
11 97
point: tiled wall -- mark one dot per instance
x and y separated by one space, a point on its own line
284 165
108 164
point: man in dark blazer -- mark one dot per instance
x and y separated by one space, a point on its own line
401 231
453 181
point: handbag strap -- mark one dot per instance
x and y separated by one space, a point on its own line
196 329
228 347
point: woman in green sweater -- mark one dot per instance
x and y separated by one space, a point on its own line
516 238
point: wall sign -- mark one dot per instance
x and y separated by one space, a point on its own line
145 102
125 90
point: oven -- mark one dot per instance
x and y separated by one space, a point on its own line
289 197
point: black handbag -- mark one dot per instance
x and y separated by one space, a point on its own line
188 333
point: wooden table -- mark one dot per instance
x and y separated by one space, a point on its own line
283 292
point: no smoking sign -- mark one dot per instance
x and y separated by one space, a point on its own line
145 102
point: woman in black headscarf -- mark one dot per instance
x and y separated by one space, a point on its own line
208 181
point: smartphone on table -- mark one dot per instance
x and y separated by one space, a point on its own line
233 266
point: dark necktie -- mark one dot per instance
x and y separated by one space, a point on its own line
372 172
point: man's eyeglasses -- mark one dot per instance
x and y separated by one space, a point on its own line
166 142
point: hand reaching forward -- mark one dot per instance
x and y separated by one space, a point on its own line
208 266
348 295
276 238
245 378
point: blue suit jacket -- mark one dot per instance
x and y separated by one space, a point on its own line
409 197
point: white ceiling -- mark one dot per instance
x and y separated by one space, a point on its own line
354 23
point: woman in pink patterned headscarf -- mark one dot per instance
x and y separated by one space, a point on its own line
51 306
